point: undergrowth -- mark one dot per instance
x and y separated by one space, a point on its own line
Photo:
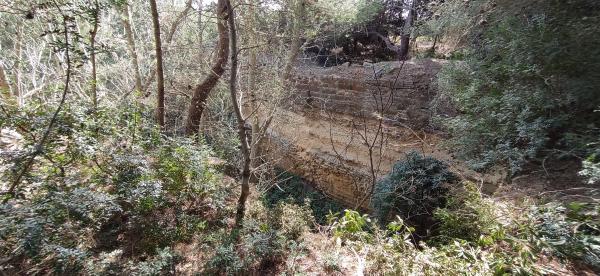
476 235
120 200
293 190
108 192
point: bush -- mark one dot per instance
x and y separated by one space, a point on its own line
293 191
528 82
468 216
351 226
392 251
226 260
264 241
591 165
591 169
293 221
266 237
571 230
415 187
100 194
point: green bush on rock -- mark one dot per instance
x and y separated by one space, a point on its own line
415 187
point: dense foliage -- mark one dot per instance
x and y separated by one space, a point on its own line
268 238
571 230
292 189
358 30
468 216
415 187
528 80
591 165
121 198
106 184
478 236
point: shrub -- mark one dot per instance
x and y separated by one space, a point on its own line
293 221
101 191
570 231
392 251
416 186
163 263
591 169
331 262
591 165
350 226
265 241
267 237
293 191
468 216
528 81
57 226
226 260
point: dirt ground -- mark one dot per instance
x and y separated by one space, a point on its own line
555 179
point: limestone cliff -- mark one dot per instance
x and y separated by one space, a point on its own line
320 135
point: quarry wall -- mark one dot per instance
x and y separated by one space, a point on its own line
321 132
400 91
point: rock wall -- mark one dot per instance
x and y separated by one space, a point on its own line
320 133
402 92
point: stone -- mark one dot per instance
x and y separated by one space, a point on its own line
342 96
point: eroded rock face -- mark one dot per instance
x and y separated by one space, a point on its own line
337 116
402 92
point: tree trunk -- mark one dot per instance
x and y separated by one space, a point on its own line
132 47
202 91
200 31
4 88
17 66
94 84
11 192
241 208
256 137
169 39
405 37
160 97
299 13
200 55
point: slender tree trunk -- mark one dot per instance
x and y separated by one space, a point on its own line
94 84
11 192
202 123
245 148
202 91
297 29
126 18
405 37
256 137
169 39
17 66
178 20
160 97
3 83
4 87
200 32
432 50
